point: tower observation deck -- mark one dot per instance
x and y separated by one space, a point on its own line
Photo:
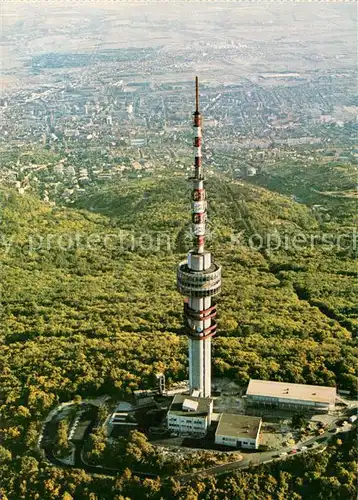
199 279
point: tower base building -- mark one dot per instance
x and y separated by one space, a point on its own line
189 416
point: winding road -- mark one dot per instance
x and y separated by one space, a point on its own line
248 460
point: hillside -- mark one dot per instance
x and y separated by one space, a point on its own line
89 306
331 184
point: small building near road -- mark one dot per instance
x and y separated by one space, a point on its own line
238 431
189 415
294 397
124 419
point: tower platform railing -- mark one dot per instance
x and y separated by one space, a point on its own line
198 283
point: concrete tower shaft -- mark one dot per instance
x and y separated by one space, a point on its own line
199 278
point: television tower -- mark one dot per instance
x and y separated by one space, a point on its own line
199 279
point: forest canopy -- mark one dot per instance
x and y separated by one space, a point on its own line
89 305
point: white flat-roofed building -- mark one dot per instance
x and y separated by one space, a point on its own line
238 431
188 415
301 397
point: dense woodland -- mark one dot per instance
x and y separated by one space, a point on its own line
330 475
89 307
